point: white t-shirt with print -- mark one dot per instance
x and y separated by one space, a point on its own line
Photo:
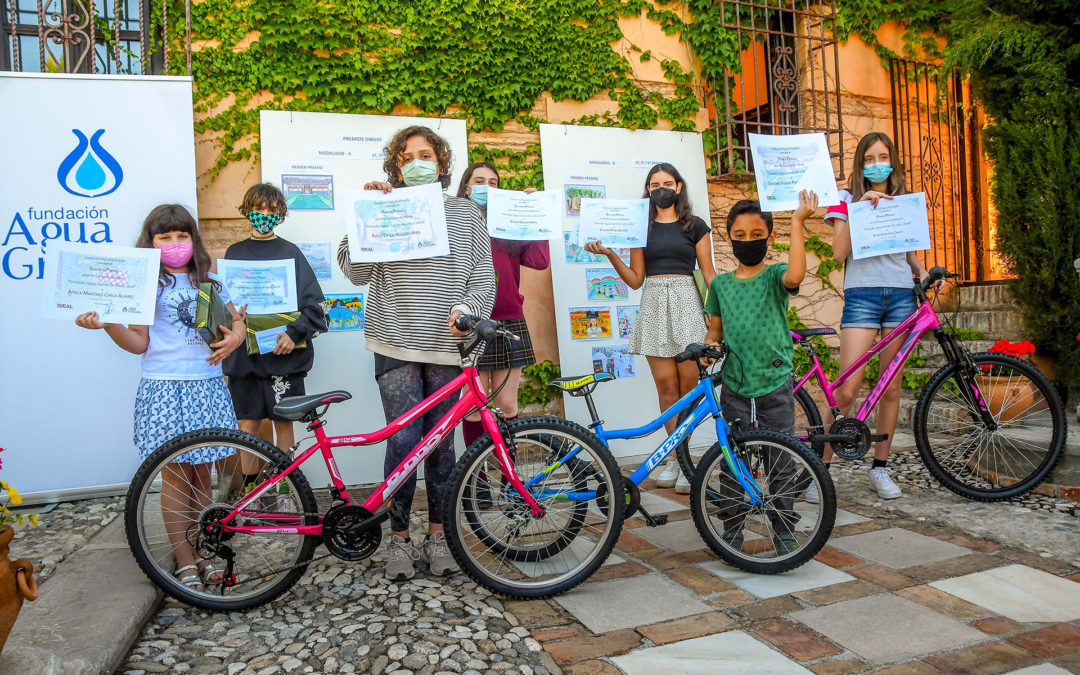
176 352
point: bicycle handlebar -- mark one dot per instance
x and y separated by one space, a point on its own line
697 351
485 329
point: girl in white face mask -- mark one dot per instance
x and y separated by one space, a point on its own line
877 295
409 325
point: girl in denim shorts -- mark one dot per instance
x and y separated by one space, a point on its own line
877 294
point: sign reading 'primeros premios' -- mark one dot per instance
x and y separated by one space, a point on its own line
86 158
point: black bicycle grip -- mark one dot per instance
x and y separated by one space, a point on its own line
691 353
465 322
487 329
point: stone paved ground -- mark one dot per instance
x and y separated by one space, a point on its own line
926 583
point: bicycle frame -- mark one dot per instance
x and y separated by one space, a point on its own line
921 322
473 396
710 405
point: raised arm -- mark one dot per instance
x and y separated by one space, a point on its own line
796 270
359 274
480 287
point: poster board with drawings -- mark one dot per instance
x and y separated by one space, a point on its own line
307 147
578 158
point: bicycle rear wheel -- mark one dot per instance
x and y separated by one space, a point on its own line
783 530
171 501
982 463
491 531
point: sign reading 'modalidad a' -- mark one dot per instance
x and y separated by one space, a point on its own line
91 156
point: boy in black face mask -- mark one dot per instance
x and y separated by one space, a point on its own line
747 309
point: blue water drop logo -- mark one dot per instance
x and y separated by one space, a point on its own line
89 170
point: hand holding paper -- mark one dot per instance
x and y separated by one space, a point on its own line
897 225
523 216
784 165
616 222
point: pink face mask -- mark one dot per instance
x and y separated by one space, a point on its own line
178 254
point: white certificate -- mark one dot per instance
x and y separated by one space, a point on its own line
406 224
784 165
897 225
523 217
615 222
267 339
264 286
117 282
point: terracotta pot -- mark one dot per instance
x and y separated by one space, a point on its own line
1006 400
16 584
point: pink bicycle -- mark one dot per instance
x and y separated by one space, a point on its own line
517 541
988 426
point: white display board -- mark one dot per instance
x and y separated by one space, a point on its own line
315 157
84 159
579 161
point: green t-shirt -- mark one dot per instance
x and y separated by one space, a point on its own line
754 314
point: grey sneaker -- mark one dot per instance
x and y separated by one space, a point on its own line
401 559
437 555
785 543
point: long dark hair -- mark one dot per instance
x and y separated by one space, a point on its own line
175 218
682 200
507 245
860 185
396 147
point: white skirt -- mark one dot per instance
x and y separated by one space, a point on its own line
671 316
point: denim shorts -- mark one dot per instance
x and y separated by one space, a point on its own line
877 307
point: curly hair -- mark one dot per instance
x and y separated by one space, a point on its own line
396 148
264 196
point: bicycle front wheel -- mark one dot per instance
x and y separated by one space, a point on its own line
775 529
990 462
492 532
172 500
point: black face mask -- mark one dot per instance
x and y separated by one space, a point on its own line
662 197
750 253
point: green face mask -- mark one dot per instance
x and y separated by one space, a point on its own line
419 172
264 223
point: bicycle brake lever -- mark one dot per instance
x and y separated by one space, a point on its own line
506 333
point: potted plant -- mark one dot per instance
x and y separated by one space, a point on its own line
16 577
1006 396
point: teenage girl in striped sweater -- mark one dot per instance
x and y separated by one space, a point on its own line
409 325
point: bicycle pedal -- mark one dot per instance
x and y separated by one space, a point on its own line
878 438
657 521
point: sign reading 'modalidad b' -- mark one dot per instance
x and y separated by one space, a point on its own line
86 160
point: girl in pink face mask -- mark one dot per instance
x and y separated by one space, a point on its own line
182 388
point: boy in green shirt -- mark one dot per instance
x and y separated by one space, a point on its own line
747 309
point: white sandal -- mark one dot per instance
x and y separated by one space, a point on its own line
210 570
189 581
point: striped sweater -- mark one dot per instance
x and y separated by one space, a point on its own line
410 301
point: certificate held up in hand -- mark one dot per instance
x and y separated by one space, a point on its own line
786 165
523 217
897 225
117 282
615 222
408 223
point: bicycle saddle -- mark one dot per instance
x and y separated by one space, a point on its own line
295 408
577 386
797 335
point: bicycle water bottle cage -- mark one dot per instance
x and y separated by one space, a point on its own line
581 386
306 408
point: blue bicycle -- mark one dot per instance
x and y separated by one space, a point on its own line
747 495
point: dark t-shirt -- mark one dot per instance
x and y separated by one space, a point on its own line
670 248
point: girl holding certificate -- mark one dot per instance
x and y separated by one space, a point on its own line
502 360
409 324
671 315
182 388
877 296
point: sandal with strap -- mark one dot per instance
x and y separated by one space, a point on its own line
210 570
192 581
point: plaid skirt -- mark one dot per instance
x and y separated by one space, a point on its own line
503 353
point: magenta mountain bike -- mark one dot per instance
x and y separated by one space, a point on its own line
517 541
988 426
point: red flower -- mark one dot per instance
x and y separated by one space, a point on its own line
1017 349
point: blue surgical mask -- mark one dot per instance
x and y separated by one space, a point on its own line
419 172
479 194
877 173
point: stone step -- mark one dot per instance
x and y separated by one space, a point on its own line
997 324
931 351
990 297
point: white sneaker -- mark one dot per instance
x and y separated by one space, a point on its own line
682 486
812 496
882 482
669 474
